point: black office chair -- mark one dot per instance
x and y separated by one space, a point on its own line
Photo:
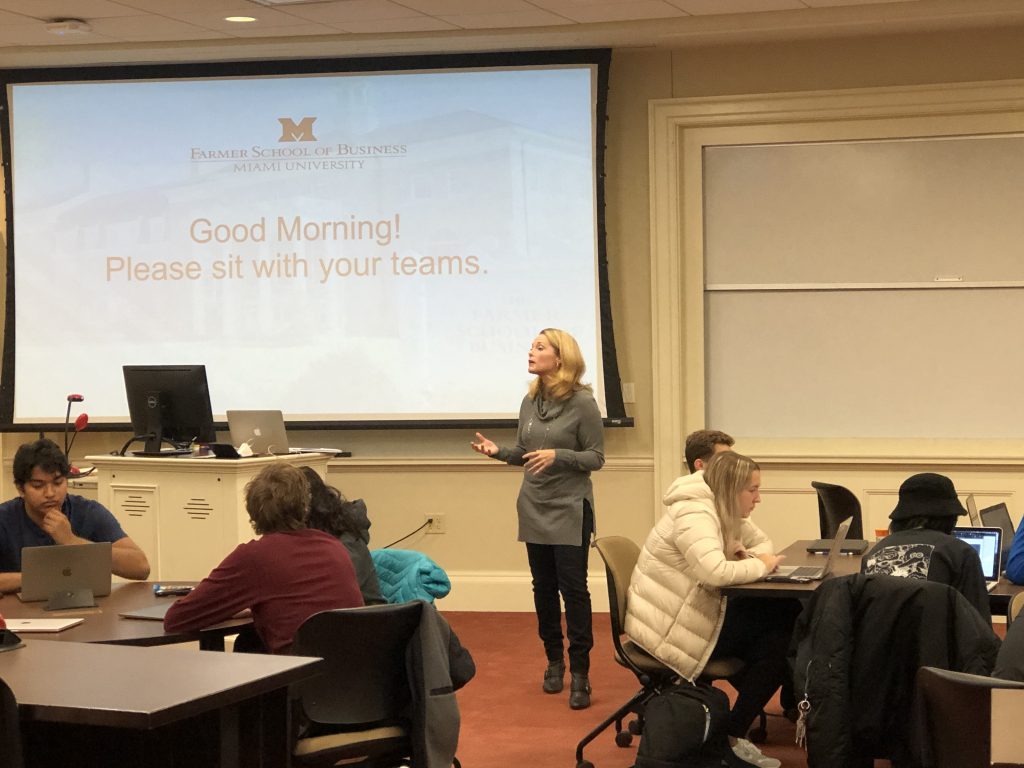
355 712
620 555
835 504
966 700
10 729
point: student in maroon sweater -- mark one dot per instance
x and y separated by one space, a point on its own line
285 576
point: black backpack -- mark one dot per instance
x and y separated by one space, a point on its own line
685 726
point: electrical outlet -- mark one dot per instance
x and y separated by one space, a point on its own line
435 522
628 393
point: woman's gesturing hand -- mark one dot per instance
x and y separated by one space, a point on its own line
538 461
484 446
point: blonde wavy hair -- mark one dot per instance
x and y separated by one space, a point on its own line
727 474
567 379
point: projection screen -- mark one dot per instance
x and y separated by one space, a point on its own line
377 245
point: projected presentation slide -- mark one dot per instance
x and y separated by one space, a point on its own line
339 247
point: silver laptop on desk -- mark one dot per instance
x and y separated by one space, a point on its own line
65 568
804 573
987 542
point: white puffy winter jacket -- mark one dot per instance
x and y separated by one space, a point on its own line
675 609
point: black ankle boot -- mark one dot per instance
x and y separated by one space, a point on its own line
554 677
579 692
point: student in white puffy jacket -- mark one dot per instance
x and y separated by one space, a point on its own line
675 609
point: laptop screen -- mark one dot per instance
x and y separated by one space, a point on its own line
998 516
986 542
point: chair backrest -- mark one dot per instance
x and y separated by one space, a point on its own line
10 729
1016 606
364 648
620 555
964 700
835 504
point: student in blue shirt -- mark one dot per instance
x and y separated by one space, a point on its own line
44 513
1014 565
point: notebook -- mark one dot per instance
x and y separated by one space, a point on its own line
987 543
65 568
997 516
804 573
265 433
42 625
972 510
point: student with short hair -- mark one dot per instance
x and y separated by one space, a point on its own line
284 577
920 544
702 445
45 514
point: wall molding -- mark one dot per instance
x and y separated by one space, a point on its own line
469 464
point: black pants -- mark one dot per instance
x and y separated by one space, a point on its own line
562 568
758 632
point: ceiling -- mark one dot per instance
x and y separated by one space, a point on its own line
154 30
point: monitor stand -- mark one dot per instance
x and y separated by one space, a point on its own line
70 598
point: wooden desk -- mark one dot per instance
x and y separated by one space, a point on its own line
797 554
92 705
104 623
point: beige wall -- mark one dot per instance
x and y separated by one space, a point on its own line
404 475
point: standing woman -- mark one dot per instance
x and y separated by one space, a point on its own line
559 443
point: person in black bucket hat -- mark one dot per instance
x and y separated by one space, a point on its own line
920 544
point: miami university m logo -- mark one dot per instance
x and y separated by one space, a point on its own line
301 131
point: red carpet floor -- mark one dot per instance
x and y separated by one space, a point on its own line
508 721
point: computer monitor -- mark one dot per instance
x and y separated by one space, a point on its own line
169 403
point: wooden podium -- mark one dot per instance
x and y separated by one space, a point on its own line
185 513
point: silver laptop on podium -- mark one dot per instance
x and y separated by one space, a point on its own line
263 430
65 569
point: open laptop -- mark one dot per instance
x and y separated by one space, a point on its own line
263 430
265 433
987 542
972 511
804 573
997 516
63 572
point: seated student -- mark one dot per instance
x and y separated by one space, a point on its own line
332 513
1014 565
920 544
45 514
702 445
704 541
285 576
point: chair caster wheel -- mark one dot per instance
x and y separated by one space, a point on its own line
635 727
584 764
758 735
623 739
